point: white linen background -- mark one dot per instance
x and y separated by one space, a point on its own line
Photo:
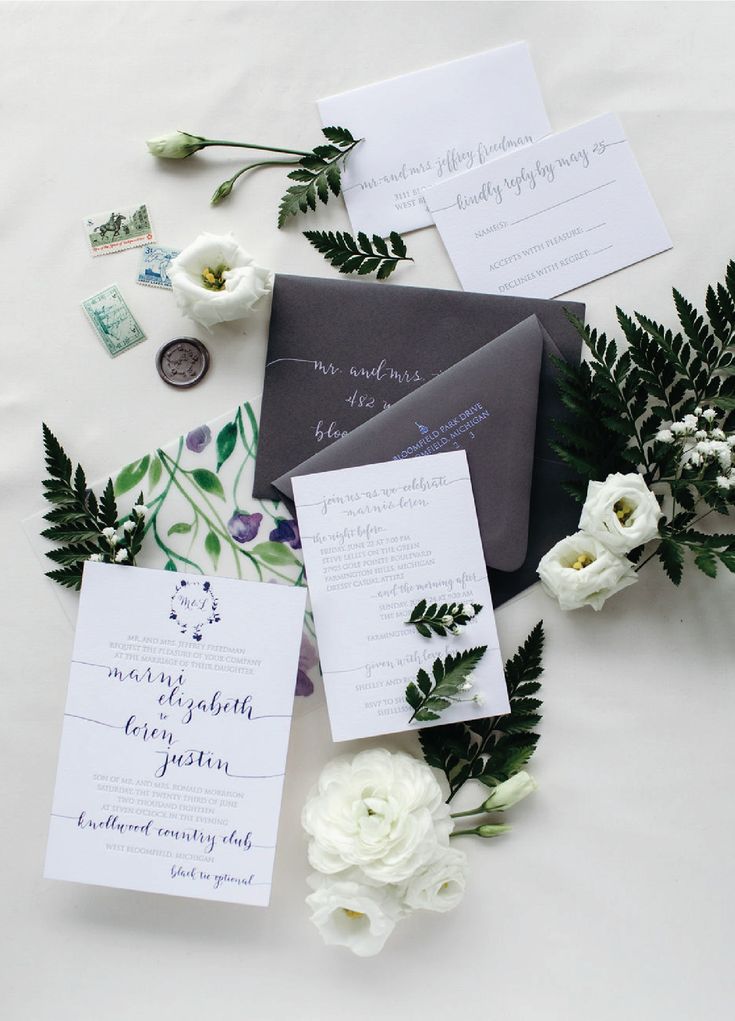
612 897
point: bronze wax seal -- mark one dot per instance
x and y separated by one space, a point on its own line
182 362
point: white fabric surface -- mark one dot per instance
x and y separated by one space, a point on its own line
612 897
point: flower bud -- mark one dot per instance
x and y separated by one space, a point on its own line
222 192
492 829
509 793
177 145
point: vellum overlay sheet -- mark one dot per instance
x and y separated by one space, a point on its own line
203 519
378 539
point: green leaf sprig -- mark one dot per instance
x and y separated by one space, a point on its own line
621 401
318 174
492 750
442 619
360 256
83 527
430 696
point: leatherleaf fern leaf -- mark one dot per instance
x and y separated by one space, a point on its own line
493 749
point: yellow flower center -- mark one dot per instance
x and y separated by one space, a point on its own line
443 887
623 511
353 914
583 560
213 279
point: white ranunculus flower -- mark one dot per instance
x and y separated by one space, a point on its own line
621 512
580 571
350 912
381 811
510 792
440 885
214 280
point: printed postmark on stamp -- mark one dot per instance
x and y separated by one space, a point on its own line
117 229
154 266
112 320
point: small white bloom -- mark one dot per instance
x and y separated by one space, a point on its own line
140 510
731 440
440 885
510 792
109 533
447 620
665 436
468 610
717 434
350 912
580 571
694 459
465 686
96 558
121 556
215 280
697 411
724 482
678 428
381 811
479 699
710 414
701 434
176 145
454 629
690 423
128 526
620 512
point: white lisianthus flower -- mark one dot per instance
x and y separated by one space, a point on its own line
620 512
510 792
381 811
176 145
350 912
214 280
580 571
440 885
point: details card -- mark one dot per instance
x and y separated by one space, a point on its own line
175 734
377 540
430 125
569 209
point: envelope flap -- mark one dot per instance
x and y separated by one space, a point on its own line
485 404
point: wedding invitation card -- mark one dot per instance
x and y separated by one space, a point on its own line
175 734
377 540
340 352
430 125
560 213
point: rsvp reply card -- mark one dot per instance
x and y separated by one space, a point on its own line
567 210
175 734
377 539
430 125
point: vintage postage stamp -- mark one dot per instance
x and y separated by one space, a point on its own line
113 322
117 229
154 267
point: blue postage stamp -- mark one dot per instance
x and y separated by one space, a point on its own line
154 266
112 321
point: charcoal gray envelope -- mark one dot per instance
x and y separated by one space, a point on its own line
358 327
497 404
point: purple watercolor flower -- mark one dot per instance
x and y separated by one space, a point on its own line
286 531
308 659
198 439
244 527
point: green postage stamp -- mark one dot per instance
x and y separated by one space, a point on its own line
113 322
116 229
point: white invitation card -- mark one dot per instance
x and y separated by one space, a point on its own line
430 125
377 540
537 223
175 734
